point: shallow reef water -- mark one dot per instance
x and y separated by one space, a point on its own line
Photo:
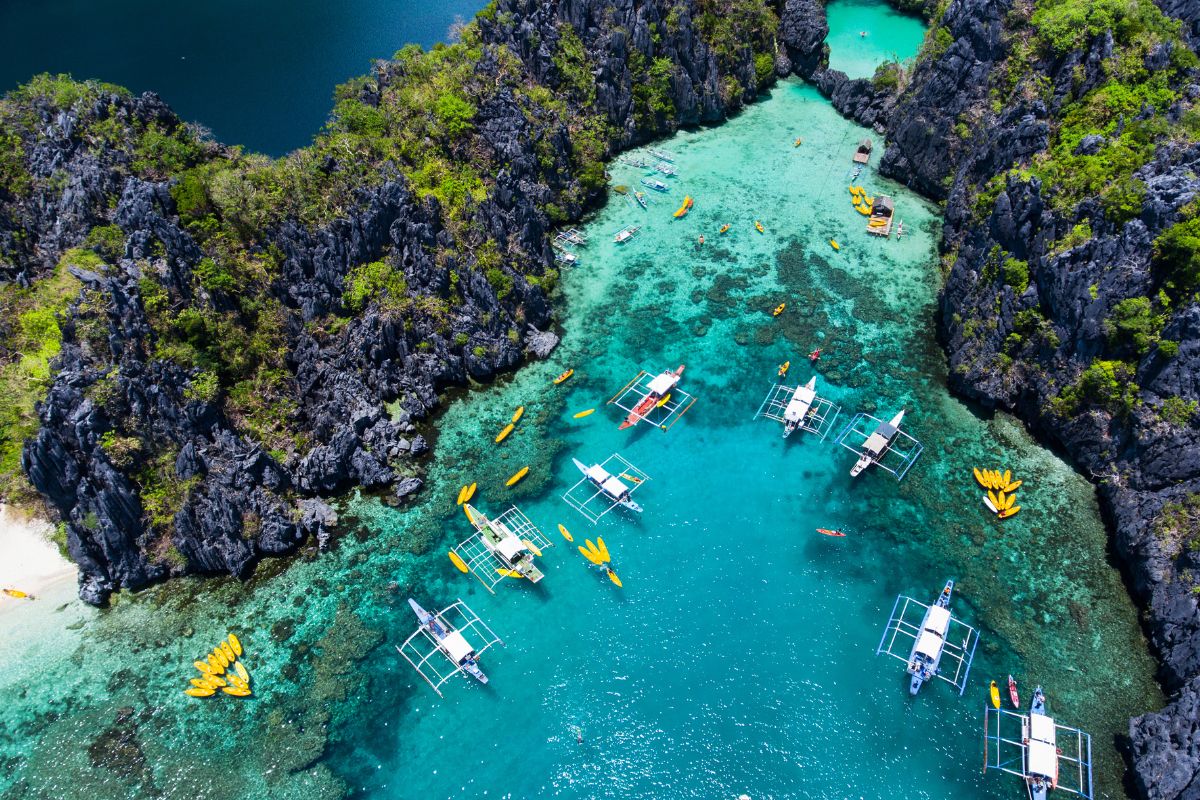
740 654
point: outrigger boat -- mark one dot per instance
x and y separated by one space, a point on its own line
659 387
641 198
886 443
444 632
571 236
655 184
626 234
799 407
665 168
926 653
1046 755
513 552
609 485
634 161
938 640
663 155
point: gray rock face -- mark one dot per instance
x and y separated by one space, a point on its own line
357 394
1018 349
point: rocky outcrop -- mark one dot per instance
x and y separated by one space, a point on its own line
1045 346
150 466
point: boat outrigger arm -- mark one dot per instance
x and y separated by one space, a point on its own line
939 641
881 444
605 486
1047 756
656 399
506 544
445 633
799 408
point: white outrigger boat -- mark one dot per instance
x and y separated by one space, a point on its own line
885 443
1045 754
605 486
625 234
641 198
443 633
663 155
799 408
937 637
657 399
655 184
503 547
665 168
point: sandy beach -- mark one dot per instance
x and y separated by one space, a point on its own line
30 561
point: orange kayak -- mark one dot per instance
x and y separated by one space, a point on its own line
828 532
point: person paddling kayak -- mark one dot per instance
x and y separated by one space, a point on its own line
815 355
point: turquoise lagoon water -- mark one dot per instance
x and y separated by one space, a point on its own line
259 74
890 35
740 654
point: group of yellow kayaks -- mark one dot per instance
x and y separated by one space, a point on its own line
222 670
862 203
1001 496
685 208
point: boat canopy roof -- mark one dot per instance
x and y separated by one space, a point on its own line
1043 760
614 487
1041 728
930 644
938 620
598 473
456 646
510 547
799 405
663 382
883 203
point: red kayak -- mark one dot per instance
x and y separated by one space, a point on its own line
1012 692
814 355
828 532
659 386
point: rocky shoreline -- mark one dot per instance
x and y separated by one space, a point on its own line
359 383
1018 348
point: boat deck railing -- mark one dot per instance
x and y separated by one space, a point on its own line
661 417
958 643
588 499
483 563
897 458
819 420
1005 742
430 661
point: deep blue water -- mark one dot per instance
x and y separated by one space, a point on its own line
259 74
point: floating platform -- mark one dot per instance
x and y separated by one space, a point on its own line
881 444
1048 756
603 485
798 407
664 412
862 154
438 659
880 222
507 543
928 635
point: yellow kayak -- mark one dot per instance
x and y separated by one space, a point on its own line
203 667
685 208
221 659
198 692
778 309
531 547
1001 501
612 576
461 495
864 210
17 593
517 414
457 561
509 573
467 510
600 546
1008 512
758 225
237 682
215 681
215 665
566 534
227 651
1007 479
201 683
583 414
1012 487
241 671
470 492
665 398
995 500
564 376
995 691
235 643
236 691
723 228
979 477
505 432
521 473
835 245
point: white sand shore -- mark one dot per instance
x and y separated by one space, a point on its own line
29 561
